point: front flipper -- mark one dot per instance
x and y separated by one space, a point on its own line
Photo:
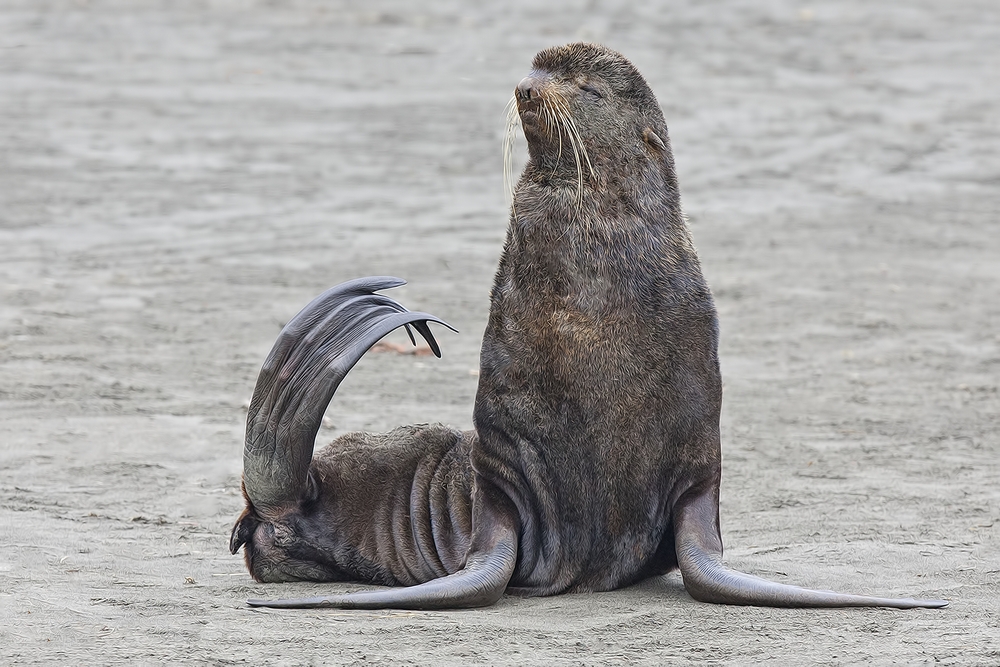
699 556
480 583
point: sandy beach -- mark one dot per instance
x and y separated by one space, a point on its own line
178 179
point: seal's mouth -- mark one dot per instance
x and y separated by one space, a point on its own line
532 120
529 116
531 106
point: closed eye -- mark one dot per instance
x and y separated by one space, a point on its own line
590 90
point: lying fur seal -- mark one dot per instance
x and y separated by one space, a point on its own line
595 460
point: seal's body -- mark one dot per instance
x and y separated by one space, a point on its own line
595 459
599 393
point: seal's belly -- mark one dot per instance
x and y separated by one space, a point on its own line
590 412
585 449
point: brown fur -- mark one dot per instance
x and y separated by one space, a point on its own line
599 389
596 458
390 509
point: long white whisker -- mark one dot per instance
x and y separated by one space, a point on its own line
582 147
555 115
508 151
575 142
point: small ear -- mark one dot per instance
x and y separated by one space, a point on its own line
653 139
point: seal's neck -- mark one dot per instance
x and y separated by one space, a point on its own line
556 205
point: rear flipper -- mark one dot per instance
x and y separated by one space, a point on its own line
699 556
310 358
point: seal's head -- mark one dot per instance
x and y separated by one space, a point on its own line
286 545
586 111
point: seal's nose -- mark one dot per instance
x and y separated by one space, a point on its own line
524 89
529 94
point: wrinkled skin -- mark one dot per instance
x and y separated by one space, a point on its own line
595 459
390 509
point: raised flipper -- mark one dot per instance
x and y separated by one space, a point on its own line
310 358
699 556
312 355
488 568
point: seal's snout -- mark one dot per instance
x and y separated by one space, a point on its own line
528 94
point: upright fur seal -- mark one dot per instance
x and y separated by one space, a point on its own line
595 460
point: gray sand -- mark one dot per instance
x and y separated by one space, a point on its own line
178 179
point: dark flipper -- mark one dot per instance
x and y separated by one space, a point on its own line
310 358
488 568
699 556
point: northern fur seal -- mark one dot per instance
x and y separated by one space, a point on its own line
595 460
